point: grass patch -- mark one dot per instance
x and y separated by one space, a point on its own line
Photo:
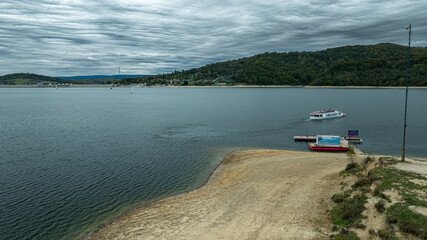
395 179
386 235
408 185
407 220
340 197
350 210
361 182
353 169
383 196
347 236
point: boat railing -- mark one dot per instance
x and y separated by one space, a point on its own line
326 110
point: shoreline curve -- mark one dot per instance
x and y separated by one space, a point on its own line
251 194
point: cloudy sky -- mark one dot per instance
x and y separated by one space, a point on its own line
85 37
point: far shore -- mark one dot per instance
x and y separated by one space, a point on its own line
230 86
253 194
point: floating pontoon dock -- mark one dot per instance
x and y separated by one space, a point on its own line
305 138
354 140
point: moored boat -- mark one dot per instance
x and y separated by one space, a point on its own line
326 114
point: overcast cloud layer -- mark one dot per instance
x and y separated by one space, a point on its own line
83 37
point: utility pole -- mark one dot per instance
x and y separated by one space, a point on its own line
406 98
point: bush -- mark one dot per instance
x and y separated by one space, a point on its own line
359 224
335 228
381 195
383 234
351 166
347 236
361 182
339 197
348 211
380 206
354 207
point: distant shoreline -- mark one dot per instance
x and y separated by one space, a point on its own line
73 86
233 86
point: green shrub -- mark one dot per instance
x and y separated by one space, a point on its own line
380 206
361 182
383 234
348 211
340 197
347 236
359 224
354 207
382 195
335 228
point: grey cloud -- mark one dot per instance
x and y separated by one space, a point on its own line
149 37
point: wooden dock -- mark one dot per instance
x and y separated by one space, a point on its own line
305 138
355 140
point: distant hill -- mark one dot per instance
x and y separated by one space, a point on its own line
34 79
372 65
102 77
28 79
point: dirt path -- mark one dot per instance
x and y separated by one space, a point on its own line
253 194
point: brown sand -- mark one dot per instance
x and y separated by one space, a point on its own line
253 194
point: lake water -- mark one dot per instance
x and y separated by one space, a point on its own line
71 159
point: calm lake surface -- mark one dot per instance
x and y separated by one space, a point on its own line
72 159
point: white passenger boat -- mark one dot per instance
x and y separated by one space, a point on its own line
325 114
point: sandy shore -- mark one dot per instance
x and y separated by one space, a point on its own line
253 194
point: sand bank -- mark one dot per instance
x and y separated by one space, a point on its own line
253 194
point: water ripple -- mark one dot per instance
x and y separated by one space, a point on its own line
77 158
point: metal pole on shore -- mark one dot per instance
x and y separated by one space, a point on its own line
406 98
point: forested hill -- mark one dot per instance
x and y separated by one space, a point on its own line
27 78
373 65
35 79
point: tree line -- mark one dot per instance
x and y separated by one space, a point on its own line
361 65
371 65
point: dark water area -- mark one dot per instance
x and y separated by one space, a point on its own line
71 159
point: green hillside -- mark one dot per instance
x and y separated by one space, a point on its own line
35 79
28 79
372 65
